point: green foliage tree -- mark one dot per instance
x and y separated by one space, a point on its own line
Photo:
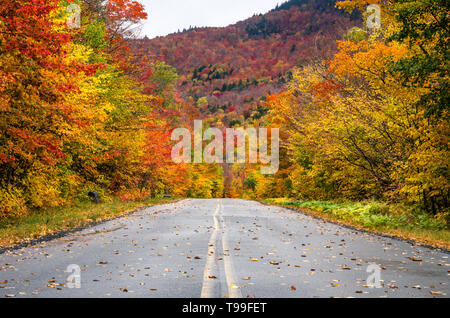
424 26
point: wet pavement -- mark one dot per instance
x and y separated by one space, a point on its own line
223 248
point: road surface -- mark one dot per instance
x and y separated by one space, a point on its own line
223 248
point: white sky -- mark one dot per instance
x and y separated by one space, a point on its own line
169 16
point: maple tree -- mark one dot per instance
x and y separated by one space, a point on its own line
78 113
33 79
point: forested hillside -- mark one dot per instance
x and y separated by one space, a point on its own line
231 70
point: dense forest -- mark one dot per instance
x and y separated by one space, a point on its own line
80 114
363 112
231 70
372 121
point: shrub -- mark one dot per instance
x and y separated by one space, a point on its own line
12 203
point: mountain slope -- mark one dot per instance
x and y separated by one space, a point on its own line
232 69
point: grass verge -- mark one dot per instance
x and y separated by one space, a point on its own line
394 220
53 220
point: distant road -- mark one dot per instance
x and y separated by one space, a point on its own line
223 248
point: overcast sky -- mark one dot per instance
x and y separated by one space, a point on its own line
169 16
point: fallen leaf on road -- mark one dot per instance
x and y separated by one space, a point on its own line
393 287
274 263
255 260
414 259
293 287
246 278
438 293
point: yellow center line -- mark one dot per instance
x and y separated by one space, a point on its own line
208 283
233 289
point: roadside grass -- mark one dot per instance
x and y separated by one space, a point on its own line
393 219
53 220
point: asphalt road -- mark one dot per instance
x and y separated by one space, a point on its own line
223 248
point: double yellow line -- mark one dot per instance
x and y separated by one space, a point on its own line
211 262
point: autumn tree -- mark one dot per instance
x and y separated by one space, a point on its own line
357 130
